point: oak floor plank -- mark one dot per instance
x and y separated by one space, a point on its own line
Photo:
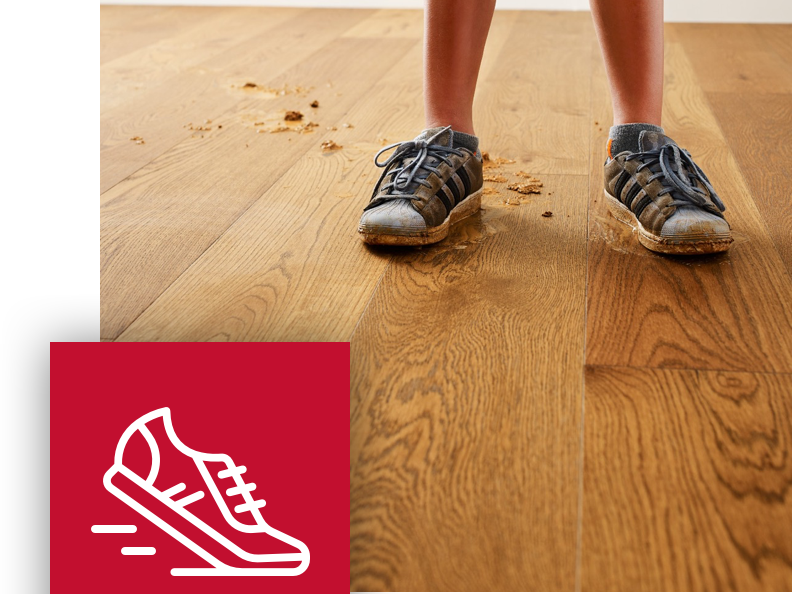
162 61
687 477
729 312
466 389
160 114
308 277
758 128
734 58
125 29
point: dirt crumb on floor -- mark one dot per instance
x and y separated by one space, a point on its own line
285 89
314 104
306 127
345 125
329 145
490 191
293 116
137 140
495 178
533 187
547 213
512 201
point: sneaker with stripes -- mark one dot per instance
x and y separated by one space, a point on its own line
427 185
659 191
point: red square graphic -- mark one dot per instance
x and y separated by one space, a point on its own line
187 467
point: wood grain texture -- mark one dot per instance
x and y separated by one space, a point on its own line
687 477
758 129
465 406
729 312
165 216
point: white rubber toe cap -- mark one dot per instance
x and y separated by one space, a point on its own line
395 216
690 222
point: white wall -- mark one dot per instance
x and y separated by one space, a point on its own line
714 11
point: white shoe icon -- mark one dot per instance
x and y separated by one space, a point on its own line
154 512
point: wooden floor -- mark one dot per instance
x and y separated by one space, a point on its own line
537 402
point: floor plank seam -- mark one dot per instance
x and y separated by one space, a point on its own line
581 451
646 367
371 297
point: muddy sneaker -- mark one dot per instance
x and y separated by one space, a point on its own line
663 194
428 184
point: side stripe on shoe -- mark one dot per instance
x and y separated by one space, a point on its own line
621 181
463 175
454 187
634 190
444 199
641 205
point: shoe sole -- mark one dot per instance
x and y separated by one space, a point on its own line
219 568
690 246
469 206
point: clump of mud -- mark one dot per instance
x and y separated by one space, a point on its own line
329 145
293 116
495 178
534 186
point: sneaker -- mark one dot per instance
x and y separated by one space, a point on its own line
663 194
177 477
428 185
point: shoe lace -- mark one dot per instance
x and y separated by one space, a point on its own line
404 176
241 489
677 171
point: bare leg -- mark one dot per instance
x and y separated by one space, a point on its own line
630 35
454 36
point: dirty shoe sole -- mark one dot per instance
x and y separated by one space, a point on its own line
689 246
464 209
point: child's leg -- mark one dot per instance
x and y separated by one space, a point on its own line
454 37
630 34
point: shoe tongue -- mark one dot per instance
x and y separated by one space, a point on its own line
649 140
444 139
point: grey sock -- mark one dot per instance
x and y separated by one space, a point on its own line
467 141
624 137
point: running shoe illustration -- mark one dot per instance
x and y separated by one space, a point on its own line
209 528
